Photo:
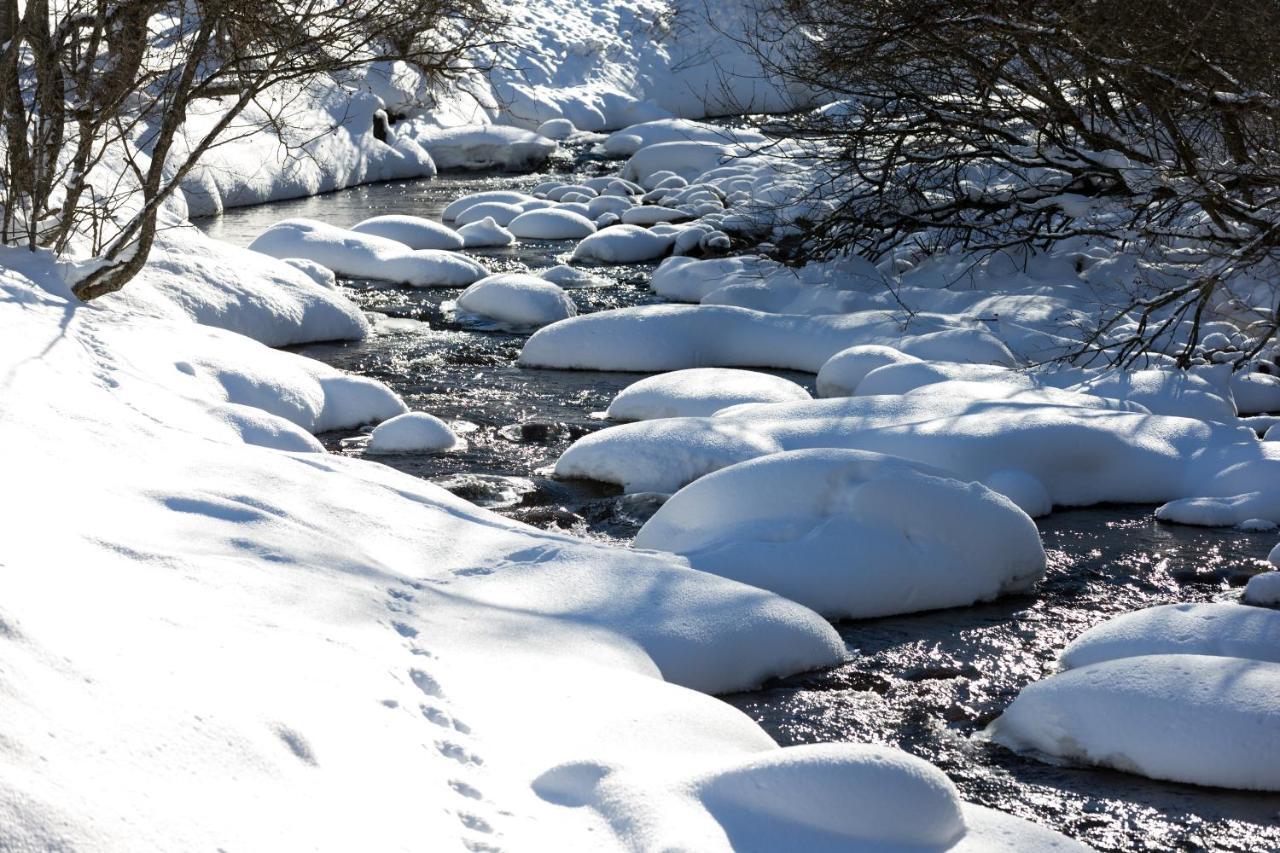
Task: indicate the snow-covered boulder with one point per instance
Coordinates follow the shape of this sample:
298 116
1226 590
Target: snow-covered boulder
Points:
687 159
839 375
572 277
1255 393
623 244
413 432
1197 719
1225 511
486 233
1263 590
851 534
499 211
557 128
551 224
356 255
699 391
1224 630
455 208
629 140
484 146
652 214
517 300
686 279
416 232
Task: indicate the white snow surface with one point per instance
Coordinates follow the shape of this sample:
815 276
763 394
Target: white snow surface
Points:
416 232
851 534
698 392
358 255
623 244
413 432
480 146
1198 719
517 300
1263 589
1224 630
485 233
551 224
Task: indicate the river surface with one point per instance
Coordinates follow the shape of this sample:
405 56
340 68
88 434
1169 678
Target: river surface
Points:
927 682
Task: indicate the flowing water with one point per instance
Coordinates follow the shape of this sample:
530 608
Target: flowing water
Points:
927 682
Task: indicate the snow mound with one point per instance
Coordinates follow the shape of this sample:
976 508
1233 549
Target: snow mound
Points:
652 214
1263 590
1182 718
557 128
486 233
1255 393
416 232
499 211
263 429
839 375
1223 630
623 244
572 277
685 279
653 338
630 139
487 146
413 432
699 391
1228 511
851 534
355 255
551 224
517 300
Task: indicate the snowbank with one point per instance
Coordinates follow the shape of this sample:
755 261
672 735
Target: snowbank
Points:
851 534
356 255
413 432
699 391
1183 718
480 146
1224 630
517 300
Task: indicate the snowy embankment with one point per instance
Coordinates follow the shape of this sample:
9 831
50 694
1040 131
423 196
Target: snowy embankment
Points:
215 635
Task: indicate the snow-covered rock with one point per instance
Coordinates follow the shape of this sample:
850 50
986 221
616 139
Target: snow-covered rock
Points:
551 224
688 159
699 391
690 280
851 534
500 212
1263 590
356 255
839 375
557 128
486 233
1197 719
1224 630
517 300
623 244
413 432
481 146
456 207
572 277
416 232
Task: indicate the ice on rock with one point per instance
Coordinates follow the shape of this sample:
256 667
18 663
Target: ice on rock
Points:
851 534
839 375
551 224
1263 590
623 244
455 208
413 432
416 232
1197 719
558 129
517 300
356 255
699 391
1222 630
485 234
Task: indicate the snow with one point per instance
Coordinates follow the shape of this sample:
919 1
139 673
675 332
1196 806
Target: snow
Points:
485 233
456 207
557 129
689 280
356 255
573 277
1224 630
651 338
413 432
1224 511
686 159
699 391
630 139
1197 719
623 244
481 146
851 534
652 214
551 224
517 300
500 212
840 375
416 232
1263 590
1080 450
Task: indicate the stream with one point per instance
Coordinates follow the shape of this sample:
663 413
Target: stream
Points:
925 682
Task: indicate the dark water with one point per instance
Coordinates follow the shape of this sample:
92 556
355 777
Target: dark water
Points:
927 682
